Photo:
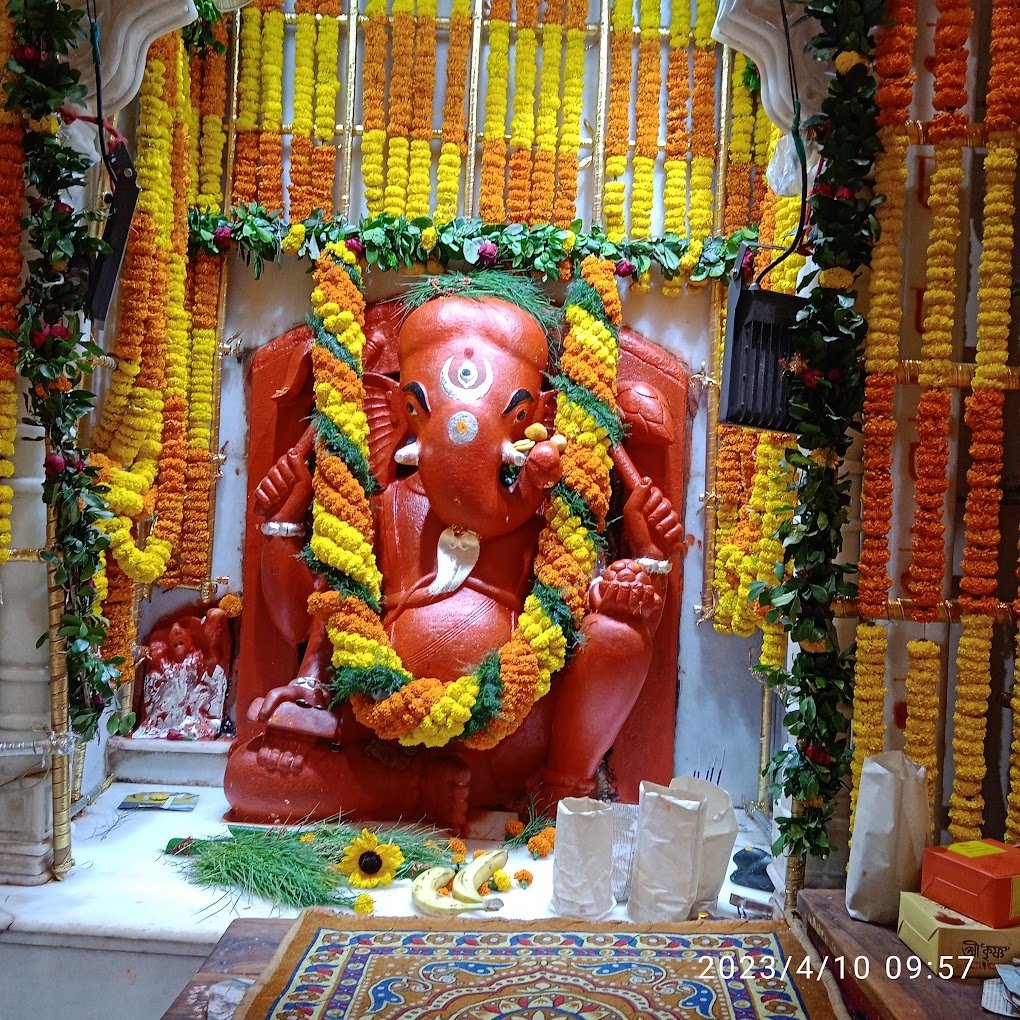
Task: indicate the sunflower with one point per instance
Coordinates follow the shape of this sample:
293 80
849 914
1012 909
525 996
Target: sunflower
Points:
367 863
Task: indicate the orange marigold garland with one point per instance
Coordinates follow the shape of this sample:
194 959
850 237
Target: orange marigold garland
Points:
522 123
678 139
543 167
419 183
618 120
451 155
327 59
213 138
425 710
646 120
491 202
739 162
703 133
270 171
244 187
1013 800
401 108
567 151
301 192
926 577
374 80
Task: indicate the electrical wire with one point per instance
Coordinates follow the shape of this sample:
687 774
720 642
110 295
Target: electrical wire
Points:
92 14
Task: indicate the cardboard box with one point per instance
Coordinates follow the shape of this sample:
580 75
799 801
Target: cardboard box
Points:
979 878
952 944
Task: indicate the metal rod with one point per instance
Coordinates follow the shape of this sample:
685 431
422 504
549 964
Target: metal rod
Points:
598 147
346 131
24 556
765 746
961 374
902 611
714 365
474 79
60 785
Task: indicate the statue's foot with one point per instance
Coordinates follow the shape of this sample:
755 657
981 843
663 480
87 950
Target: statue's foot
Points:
446 789
625 592
547 789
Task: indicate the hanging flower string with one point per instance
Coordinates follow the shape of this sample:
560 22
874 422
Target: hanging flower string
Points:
543 168
373 75
678 139
920 737
451 156
301 192
735 470
491 203
739 159
244 187
327 57
482 707
568 147
869 702
419 184
270 170
703 129
646 122
401 108
618 121
522 123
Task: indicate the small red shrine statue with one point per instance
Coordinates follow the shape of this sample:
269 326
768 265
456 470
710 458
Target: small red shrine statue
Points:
452 388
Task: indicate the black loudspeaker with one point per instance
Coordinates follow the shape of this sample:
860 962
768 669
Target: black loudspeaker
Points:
759 327
106 267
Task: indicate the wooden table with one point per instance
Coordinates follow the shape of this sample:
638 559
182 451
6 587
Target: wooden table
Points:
243 951
876 996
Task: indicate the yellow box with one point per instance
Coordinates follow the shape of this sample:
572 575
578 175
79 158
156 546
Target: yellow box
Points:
952 944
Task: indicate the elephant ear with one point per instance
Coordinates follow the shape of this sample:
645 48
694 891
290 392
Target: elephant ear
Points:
386 425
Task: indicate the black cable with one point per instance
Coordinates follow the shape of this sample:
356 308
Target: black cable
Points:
93 16
798 143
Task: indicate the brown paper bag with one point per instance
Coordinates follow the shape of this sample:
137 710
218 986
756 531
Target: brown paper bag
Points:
891 829
667 855
583 862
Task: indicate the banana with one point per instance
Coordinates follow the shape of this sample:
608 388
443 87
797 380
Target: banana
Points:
477 873
426 897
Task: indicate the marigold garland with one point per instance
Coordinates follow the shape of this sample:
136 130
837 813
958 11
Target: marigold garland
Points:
522 123
401 108
303 119
327 57
419 184
567 151
739 159
270 171
646 121
869 702
973 685
1013 799
678 139
244 187
618 120
924 676
543 166
451 155
374 81
12 191
491 204
213 140
483 707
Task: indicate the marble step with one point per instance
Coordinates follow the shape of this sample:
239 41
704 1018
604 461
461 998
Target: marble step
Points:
168 762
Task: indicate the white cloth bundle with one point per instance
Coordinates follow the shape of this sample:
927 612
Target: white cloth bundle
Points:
891 830
583 862
667 856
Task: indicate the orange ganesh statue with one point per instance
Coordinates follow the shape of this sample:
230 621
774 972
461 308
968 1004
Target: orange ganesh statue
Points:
460 407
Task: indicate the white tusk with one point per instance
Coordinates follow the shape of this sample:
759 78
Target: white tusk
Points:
408 455
511 455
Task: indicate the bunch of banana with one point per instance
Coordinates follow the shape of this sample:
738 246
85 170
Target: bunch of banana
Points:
466 883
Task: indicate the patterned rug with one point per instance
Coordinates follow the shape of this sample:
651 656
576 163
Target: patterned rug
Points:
412 969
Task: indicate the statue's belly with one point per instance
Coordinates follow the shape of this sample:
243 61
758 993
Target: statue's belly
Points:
449 638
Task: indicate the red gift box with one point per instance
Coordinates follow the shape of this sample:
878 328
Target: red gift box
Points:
979 878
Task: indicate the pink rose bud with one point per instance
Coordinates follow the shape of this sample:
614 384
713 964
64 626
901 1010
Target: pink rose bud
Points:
59 331
38 337
25 54
53 465
845 193
823 189
63 207
222 237
488 252
625 268
354 245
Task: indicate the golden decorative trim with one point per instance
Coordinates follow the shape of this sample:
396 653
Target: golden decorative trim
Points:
902 611
975 135
961 374
24 556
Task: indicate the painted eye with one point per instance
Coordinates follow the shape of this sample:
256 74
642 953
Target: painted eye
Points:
410 408
521 415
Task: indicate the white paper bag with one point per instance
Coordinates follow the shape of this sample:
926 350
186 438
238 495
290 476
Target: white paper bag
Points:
583 862
720 835
625 818
891 830
667 855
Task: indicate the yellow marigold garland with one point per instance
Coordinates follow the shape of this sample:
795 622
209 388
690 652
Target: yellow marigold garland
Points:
618 121
327 57
739 162
244 188
567 151
303 121
703 133
491 204
920 738
401 108
646 121
270 171
735 471
869 702
419 184
973 685
214 138
425 710
374 79
543 166
678 139
451 155
522 123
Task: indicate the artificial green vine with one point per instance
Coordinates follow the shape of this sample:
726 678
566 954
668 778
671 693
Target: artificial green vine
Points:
388 242
54 354
827 394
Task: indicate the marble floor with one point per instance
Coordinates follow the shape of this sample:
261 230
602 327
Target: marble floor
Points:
121 935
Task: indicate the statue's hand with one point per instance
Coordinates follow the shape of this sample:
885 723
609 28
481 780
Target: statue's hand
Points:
543 469
286 492
652 525
292 694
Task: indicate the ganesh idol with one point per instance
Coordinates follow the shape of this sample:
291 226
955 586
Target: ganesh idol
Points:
427 671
